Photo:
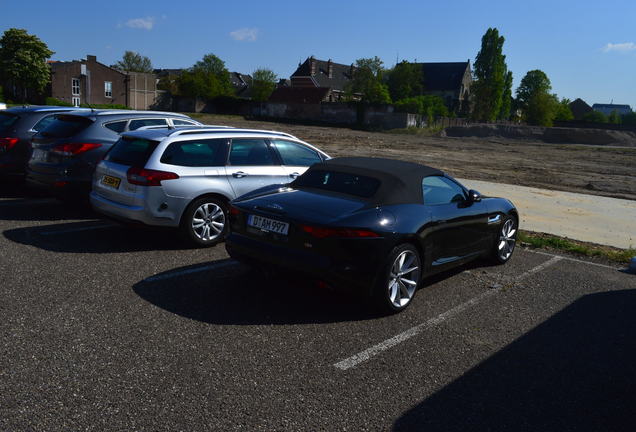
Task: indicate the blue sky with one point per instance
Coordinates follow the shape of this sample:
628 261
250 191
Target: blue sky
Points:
587 48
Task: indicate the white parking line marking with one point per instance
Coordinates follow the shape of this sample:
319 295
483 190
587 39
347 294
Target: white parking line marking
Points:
572 259
555 259
191 270
367 354
7 203
76 229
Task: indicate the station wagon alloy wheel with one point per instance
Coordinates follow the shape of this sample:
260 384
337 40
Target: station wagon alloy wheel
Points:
403 278
208 222
507 240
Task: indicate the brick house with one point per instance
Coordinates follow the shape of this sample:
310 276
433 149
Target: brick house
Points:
90 82
313 73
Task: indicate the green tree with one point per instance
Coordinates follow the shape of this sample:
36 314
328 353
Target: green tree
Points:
538 106
405 80
614 118
595 117
367 82
490 77
629 119
506 98
207 79
263 84
540 109
426 105
563 111
535 81
134 62
23 64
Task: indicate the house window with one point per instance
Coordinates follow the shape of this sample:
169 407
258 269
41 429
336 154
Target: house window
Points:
75 86
76 101
108 89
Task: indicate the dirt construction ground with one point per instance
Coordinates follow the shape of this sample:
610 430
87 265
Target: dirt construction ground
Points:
600 170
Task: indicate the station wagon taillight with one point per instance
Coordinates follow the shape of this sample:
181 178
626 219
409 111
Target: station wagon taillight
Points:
73 149
148 177
8 143
323 232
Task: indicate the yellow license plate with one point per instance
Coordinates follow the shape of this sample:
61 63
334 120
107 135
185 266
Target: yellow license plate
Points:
111 181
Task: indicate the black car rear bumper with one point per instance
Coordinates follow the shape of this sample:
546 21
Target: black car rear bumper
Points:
355 271
58 185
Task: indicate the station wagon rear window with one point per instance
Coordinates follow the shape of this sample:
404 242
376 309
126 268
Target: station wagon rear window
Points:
335 181
65 126
131 151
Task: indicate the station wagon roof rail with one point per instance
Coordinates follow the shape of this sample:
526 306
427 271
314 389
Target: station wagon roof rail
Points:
225 129
111 112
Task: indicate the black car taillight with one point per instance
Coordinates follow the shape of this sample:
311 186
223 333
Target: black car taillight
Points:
323 232
148 177
234 211
8 143
73 149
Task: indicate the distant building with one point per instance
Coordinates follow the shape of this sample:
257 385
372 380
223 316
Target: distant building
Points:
579 108
449 80
315 73
607 109
242 85
93 83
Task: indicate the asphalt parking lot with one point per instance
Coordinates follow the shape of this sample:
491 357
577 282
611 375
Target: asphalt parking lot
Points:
105 327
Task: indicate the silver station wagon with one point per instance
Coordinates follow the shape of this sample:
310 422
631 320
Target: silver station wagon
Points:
185 177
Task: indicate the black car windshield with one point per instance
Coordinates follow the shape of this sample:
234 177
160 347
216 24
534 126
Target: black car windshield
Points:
131 151
7 120
336 181
65 126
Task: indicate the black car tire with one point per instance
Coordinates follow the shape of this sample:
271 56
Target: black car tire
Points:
383 293
497 255
194 210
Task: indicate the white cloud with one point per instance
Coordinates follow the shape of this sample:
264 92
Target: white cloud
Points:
620 47
141 23
245 34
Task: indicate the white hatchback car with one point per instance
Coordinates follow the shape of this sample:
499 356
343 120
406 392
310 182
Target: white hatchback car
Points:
185 177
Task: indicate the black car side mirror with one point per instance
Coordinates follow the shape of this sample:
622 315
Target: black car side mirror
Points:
474 196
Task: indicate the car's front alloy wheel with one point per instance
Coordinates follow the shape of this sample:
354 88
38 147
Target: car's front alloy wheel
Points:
507 240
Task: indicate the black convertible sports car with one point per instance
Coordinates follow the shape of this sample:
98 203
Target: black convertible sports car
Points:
380 225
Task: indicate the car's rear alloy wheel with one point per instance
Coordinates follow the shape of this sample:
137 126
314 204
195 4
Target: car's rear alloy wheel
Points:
398 287
507 240
208 222
205 222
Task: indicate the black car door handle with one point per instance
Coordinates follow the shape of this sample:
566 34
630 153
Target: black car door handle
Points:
294 175
239 174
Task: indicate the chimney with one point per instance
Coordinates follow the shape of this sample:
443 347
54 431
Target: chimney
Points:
91 59
312 66
329 69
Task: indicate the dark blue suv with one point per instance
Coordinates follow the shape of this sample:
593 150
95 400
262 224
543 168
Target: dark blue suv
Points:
17 127
67 150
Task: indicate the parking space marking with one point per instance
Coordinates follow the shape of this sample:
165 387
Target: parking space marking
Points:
76 229
7 203
213 266
572 259
367 354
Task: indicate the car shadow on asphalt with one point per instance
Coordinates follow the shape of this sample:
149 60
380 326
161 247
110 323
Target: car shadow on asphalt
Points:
240 295
29 209
96 236
575 371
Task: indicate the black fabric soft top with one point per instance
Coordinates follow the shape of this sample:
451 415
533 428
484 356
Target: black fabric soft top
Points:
400 181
